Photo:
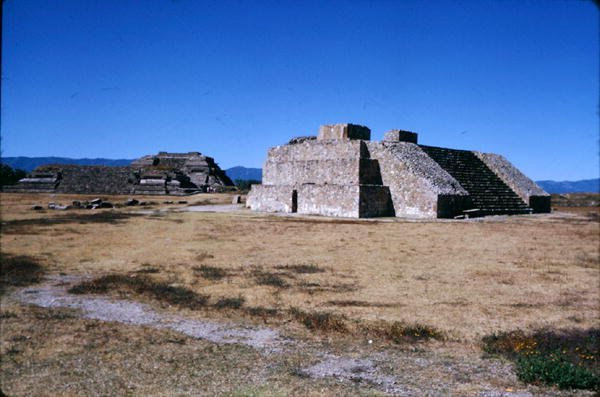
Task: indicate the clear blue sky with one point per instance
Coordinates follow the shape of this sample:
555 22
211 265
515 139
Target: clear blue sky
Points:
120 78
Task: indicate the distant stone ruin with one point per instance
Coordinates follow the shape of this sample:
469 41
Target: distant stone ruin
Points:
161 174
342 173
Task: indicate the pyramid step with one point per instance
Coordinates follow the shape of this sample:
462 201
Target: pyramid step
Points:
488 192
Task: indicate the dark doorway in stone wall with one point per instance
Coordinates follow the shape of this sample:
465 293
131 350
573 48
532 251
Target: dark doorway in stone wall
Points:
294 201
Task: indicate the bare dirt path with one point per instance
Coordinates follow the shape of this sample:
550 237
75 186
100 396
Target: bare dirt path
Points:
368 370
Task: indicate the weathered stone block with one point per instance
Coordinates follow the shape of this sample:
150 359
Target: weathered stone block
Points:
318 150
452 205
540 204
400 136
270 198
344 132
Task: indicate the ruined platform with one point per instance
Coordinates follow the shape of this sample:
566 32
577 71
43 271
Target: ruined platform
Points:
342 173
161 174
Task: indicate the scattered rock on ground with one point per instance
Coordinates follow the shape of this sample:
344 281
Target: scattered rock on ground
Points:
60 207
131 202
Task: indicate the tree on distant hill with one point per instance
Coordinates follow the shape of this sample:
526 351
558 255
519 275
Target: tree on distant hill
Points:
244 184
10 176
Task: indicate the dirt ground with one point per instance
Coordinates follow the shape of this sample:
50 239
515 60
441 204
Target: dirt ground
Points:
464 279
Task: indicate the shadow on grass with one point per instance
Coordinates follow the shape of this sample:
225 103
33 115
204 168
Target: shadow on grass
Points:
262 312
143 285
322 321
357 303
301 269
330 221
230 303
400 332
19 271
210 272
269 279
312 287
23 226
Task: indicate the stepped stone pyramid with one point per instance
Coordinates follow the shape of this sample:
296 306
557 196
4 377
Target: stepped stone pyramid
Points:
342 173
161 174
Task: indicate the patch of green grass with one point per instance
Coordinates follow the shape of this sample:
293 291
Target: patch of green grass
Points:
19 271
568 358
210 272
160 291
322 321
556 369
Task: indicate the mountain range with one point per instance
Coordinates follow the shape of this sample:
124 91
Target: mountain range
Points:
244 173
28 164
582 186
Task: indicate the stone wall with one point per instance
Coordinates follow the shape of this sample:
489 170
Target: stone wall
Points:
270 198
95 179
400 136
329 200
332 175
330 171
318 150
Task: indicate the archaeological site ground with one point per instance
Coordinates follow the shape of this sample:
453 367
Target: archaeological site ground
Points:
199 296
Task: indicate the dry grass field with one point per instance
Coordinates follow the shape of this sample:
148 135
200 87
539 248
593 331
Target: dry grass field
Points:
330 285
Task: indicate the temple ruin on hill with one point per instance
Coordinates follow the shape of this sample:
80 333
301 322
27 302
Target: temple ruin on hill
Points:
342 173
161 174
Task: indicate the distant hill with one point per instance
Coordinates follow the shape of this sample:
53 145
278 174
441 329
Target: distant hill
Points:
244 173
28 164
582 186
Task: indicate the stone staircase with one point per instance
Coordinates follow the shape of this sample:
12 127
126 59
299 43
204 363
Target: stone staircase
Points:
489 194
